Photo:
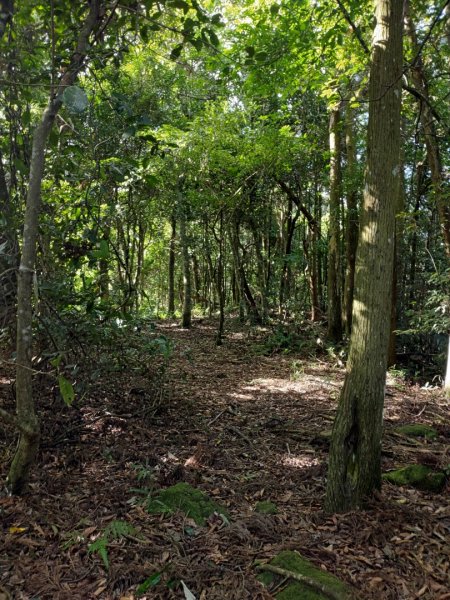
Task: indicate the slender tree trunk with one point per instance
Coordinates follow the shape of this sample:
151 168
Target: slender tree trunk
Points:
27 418
352 221
221 281
197 285
398 261
286 273
186 320
261 269
8 238
173 236
8 258
334 262
440 188
355 454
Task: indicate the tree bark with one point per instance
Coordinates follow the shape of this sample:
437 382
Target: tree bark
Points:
427 120
28 444
171 299
355 454
352 221
186 320
334 262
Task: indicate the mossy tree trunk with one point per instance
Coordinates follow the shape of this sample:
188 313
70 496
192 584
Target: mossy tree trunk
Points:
355 453
27 419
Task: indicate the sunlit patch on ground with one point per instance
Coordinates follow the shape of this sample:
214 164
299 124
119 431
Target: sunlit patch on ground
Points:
300 461
285 386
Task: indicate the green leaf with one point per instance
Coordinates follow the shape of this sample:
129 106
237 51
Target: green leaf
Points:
213 37
103 250
275 9
66 390
75 99
216 19
176 52
55 362
261 56
100 547
148 583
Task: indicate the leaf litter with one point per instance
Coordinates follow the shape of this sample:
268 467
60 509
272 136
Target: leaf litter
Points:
241 428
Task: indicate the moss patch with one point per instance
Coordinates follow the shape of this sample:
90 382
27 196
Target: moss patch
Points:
265 507
295 563
182 496
417 430
418 476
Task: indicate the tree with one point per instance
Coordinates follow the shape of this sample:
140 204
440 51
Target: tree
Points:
355 454
27 421
334 262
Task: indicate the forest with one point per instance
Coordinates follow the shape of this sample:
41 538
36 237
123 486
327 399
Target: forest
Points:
225 299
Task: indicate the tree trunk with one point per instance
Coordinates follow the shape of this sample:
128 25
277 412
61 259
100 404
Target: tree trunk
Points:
220 282
171 299
447 372
8 258
440 188
334 269
186 320
352 221
355 454
27 418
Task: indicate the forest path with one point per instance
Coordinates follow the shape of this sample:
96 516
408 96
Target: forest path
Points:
242 427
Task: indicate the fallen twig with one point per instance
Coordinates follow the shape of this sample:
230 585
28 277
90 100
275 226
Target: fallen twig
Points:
240 434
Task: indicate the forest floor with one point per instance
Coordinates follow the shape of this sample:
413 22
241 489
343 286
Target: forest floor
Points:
243 427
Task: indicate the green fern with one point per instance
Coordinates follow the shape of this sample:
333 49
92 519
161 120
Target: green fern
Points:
115 531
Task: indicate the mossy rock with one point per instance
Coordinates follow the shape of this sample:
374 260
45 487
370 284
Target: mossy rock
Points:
417 430
296 590
265 507
418 476
182 496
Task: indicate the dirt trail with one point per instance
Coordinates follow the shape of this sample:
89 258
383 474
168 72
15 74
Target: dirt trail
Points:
243 428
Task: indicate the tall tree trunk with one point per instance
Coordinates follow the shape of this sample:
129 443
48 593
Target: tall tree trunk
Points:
261 269
355 454
352 221
8 258
27 419
171 299
286 273
440 188
186 320
8 238
398 262
334 262
220 281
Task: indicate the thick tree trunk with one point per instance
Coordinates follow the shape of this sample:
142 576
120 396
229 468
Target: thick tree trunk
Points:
355 454
171 299
352 221
334 262
27 419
